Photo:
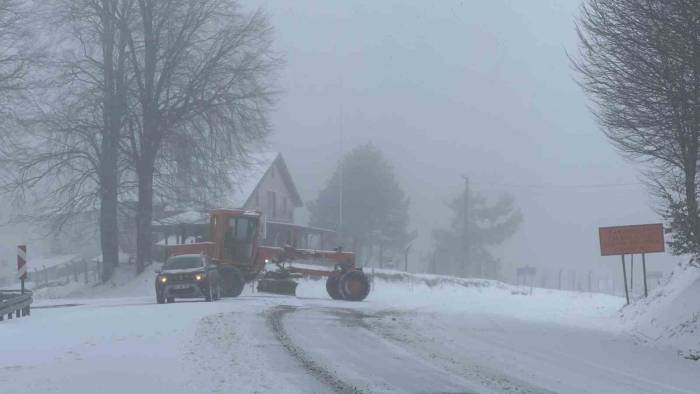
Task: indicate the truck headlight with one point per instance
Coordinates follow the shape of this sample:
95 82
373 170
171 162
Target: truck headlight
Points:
198 277
163 279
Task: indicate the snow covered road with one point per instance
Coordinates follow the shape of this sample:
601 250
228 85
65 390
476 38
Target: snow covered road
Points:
262 343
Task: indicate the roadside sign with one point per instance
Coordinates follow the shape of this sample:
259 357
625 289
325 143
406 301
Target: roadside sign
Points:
642 238
22 264
635 239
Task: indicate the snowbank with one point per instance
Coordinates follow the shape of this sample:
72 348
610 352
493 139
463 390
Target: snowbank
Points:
124 283
463 296
671 314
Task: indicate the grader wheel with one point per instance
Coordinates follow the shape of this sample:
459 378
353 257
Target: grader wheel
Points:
333 287
354 286
232 281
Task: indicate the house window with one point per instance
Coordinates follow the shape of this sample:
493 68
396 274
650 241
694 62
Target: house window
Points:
272 203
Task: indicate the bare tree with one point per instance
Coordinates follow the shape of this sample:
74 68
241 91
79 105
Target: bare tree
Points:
639 61
66 157
13 62
202 81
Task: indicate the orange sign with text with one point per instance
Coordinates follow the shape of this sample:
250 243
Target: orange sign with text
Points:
636 239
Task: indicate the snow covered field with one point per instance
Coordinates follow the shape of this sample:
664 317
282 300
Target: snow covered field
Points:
416 334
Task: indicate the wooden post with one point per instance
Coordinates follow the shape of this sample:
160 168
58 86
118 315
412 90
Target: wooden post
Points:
624 276
644 272
632 274
560 271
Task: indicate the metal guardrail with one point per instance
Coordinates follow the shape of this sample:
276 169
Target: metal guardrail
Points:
14 302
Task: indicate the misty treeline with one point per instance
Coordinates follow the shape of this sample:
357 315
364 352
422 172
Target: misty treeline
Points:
639 62
376 221
116 105
477 225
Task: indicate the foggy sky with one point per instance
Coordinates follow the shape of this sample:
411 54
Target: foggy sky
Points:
480 88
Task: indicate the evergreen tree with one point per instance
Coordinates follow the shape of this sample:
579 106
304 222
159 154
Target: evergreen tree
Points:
466 253
375 209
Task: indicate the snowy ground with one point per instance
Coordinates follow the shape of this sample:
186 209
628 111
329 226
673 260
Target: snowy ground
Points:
415 335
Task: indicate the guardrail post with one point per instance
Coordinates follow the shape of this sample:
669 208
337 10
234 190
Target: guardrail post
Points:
15 304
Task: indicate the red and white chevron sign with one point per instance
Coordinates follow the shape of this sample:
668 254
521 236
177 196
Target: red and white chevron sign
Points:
22 261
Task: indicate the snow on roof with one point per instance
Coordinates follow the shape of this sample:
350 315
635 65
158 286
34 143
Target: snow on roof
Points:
173 240
123 258
188 217
245 181
52 261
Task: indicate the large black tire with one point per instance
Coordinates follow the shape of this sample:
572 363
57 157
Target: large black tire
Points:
160 298
333 288
170 300
232 281
354 286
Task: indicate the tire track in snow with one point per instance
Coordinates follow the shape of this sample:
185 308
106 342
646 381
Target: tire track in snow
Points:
494 380
327 377
365 362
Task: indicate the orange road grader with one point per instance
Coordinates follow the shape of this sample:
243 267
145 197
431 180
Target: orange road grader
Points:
234 246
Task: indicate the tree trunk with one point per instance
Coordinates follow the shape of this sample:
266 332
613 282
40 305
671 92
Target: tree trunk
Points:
109 229
691 193
144 215
108 171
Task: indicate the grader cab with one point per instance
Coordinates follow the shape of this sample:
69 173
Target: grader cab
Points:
234 246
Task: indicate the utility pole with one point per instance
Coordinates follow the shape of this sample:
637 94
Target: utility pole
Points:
340 180
467 248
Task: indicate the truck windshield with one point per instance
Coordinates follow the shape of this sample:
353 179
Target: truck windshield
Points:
239 237
183 262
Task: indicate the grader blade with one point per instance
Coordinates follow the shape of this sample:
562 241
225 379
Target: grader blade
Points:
278 286
280 281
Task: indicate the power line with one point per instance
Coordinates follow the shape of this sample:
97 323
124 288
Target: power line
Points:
559 186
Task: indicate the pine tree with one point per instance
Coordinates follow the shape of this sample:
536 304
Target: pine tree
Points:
489 223
375 208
